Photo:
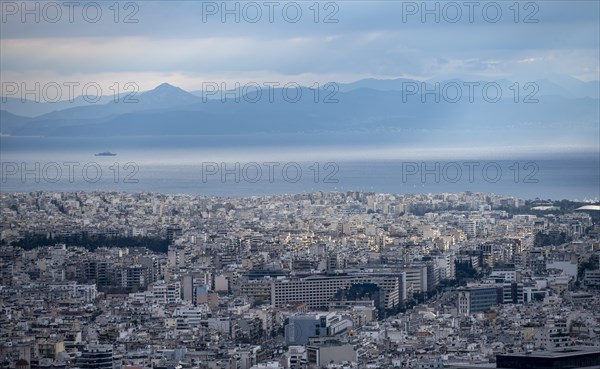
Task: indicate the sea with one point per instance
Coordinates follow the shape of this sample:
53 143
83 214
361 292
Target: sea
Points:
256 165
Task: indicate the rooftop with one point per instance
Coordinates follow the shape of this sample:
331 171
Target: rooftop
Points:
559 352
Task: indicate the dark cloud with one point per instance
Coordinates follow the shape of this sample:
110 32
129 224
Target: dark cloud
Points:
382 38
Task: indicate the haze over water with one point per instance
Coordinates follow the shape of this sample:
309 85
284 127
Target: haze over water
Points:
276 164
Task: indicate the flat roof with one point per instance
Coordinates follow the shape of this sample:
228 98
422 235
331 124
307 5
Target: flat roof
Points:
558 353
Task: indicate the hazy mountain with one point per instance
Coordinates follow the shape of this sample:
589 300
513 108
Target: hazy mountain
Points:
30 108
168 110
10 122
575 87
398 84
566 86
166 95
367 106
163 96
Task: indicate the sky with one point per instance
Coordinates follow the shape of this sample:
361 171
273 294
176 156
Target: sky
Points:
186 43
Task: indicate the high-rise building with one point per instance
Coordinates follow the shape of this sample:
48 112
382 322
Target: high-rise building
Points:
173 232
317 290
166 293
96 357
135 277
416 279
188 288
469 226
512 293
476 299
299 328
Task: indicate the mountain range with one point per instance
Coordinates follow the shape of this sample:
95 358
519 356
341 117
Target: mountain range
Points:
566 108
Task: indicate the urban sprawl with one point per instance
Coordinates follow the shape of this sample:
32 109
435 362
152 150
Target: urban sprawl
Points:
317 280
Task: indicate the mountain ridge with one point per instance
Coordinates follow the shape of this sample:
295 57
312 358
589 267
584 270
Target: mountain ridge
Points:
367 106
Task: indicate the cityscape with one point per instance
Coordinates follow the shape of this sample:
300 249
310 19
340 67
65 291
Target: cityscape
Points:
337 280
350 184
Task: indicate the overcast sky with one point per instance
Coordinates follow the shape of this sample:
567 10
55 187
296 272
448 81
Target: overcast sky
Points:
186 43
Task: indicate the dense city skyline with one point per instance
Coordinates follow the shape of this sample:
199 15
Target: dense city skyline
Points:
299 184
431 273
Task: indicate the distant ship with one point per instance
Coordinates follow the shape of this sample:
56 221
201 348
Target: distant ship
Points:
105 153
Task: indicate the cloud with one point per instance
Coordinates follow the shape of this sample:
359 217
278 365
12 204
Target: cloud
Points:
172 39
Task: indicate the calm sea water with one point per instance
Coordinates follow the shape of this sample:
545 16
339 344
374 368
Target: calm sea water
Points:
245 166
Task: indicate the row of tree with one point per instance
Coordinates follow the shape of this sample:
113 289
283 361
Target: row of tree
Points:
92 242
